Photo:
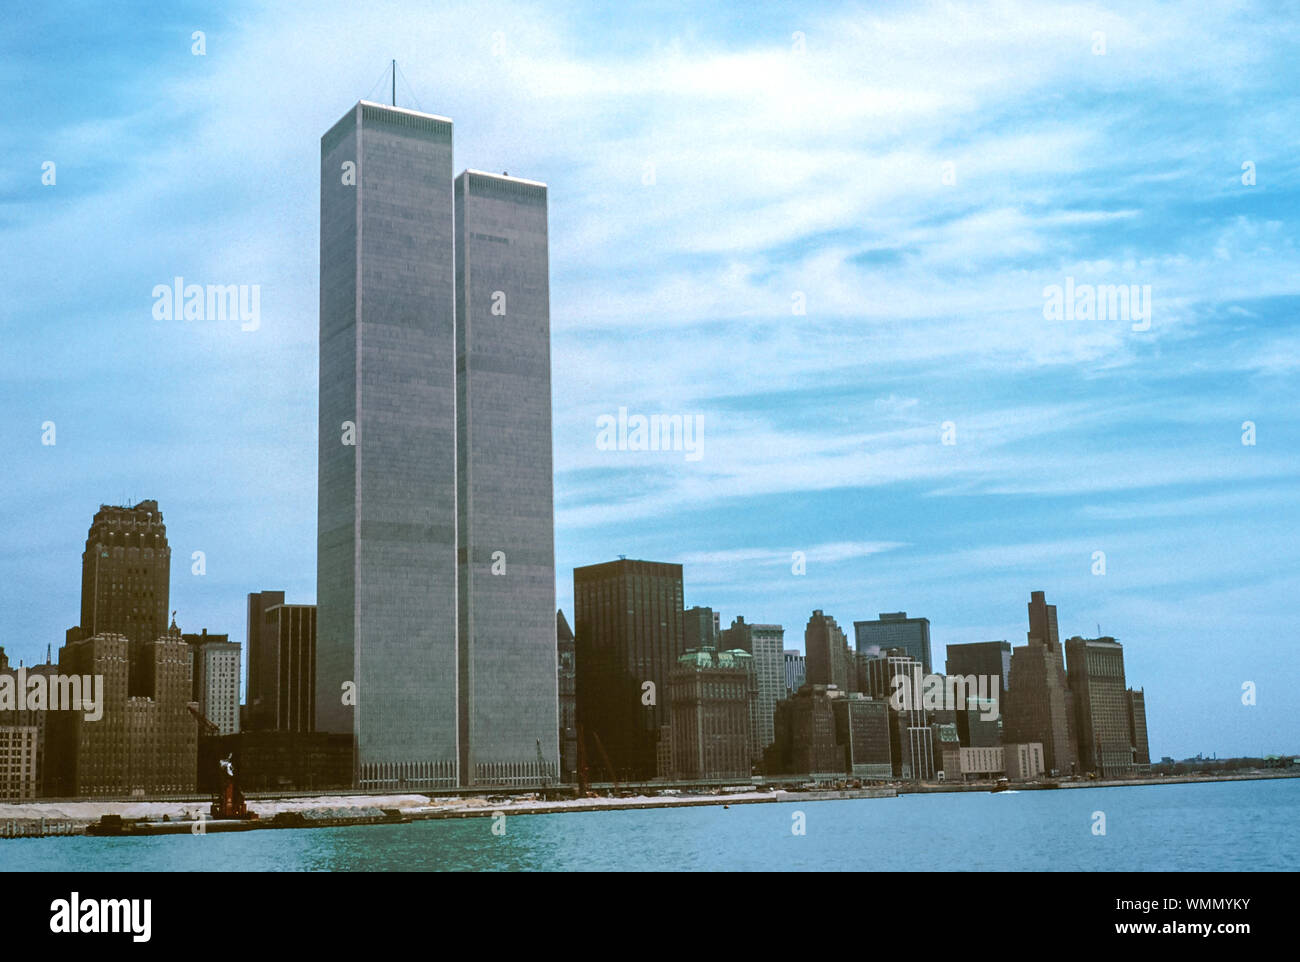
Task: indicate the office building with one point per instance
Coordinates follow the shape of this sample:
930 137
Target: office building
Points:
508 716
805 734
215 676
1095 669
911 740
862 733
895 630
28 717
1039 704
699 629
828 658
627 638
282 664
125 581
435 579
386 653
977 725
142 744
567 674
1024 762
795 672
712 694
1137 720
765 643
991 658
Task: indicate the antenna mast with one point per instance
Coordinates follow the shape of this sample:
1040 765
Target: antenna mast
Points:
394 82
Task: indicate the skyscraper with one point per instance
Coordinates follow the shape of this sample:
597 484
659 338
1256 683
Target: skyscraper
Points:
508 721
1137 723
895 630
565 669
829 661
911 741
795 672
263 652
1095 668
125 581
698 630
282 664
628 631
990 659
215 678
387 662
1039 705
765 643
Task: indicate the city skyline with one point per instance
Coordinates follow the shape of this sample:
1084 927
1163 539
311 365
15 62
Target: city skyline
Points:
823 429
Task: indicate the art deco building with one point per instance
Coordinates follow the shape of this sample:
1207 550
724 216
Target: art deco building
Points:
125 580
1039 705
142 743
828 658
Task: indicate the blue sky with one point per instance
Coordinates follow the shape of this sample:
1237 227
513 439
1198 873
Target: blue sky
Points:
782 165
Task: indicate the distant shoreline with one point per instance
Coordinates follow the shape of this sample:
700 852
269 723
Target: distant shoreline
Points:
150 818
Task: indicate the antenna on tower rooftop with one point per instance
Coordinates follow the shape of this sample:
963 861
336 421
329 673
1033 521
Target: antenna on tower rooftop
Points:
394 82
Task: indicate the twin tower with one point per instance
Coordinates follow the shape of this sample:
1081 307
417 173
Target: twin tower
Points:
436 543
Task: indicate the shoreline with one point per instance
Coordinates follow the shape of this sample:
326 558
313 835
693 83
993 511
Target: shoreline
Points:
50 819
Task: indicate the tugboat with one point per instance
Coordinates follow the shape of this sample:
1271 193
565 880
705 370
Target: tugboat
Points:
229 800
1001 786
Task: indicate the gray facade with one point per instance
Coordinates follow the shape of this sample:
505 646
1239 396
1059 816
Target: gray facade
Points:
386 548
509 723
766 644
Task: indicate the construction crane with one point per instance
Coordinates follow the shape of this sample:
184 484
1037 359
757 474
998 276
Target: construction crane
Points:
205 726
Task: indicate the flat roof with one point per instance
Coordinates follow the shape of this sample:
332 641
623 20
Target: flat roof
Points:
516 180
405 110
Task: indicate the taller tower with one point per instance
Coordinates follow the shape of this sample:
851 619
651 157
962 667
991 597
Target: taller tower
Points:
509 725
386 536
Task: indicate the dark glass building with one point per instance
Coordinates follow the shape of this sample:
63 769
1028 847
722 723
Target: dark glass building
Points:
895 630
990 659
627 631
